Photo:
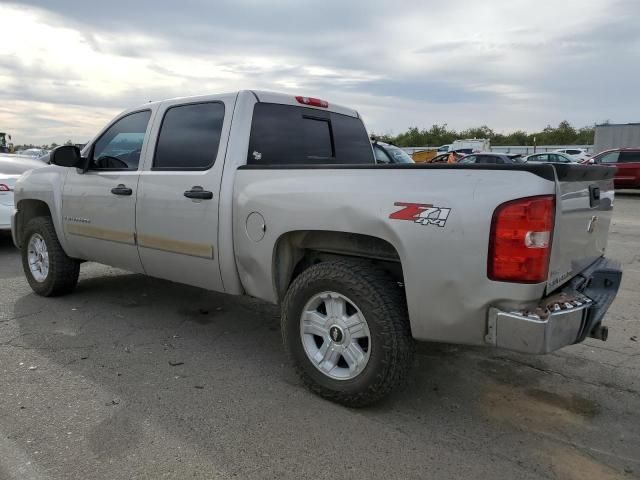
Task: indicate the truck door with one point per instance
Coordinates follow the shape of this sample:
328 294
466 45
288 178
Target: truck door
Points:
178 196
98 206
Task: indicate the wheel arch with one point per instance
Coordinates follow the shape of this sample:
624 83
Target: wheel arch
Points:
26 210
295 251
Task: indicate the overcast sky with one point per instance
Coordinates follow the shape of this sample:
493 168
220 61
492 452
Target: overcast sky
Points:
67 67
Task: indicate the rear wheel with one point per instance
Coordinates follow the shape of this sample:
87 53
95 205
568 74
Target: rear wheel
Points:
346 331
48 269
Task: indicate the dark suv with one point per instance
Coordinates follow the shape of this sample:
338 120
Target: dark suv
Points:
627 161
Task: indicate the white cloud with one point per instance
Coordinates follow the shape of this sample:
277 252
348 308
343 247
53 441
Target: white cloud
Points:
66 69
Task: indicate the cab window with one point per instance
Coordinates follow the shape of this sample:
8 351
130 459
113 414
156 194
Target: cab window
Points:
291 135
120 146
611 157
189 137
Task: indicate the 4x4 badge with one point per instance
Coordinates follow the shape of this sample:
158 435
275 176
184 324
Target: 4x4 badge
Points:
422 213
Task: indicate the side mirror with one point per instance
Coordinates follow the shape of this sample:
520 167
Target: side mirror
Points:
66 156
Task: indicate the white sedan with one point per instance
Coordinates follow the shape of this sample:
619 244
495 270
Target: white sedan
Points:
577 154
11 167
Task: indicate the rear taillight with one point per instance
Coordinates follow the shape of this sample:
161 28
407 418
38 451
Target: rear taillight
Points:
314 102
520 241
4 188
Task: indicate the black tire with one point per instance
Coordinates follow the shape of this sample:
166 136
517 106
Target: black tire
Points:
63 271
383 305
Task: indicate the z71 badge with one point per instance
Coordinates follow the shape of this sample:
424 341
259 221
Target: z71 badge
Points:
422 213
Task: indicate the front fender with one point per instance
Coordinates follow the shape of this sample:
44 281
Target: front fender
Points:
34 190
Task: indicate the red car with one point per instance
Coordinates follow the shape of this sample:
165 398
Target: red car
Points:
628 162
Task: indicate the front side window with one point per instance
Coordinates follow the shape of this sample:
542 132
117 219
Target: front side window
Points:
189 137
290 135
120 146
611 157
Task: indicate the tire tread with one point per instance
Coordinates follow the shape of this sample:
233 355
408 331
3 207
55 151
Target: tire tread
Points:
63 270
390 305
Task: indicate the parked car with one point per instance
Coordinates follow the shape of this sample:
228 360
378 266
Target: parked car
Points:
32 152
472 145
440 158
279 197
443 148
627 161
463 151
386 154
10 170
489 157
577 154
555 157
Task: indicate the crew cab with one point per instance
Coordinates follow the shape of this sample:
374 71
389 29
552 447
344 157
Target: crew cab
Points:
279 197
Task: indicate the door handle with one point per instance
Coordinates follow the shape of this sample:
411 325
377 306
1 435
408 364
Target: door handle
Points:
594 196
199 193
121 190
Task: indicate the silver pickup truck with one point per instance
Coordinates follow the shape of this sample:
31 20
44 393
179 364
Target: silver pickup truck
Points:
279 197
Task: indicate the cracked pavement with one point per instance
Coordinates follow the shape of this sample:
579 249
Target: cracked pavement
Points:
133 377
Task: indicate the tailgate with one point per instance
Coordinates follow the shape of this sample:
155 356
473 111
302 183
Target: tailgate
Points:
585 195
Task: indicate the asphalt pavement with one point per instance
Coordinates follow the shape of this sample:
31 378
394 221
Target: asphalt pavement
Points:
133 377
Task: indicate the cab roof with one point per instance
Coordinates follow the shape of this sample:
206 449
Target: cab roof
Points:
265 96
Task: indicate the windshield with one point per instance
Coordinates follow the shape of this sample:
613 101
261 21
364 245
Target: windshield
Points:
398 155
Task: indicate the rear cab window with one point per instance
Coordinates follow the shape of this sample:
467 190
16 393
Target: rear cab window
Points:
291 135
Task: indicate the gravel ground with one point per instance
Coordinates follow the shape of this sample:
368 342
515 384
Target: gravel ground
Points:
132 377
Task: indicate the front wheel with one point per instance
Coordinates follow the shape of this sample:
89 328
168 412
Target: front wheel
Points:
345 328
48 269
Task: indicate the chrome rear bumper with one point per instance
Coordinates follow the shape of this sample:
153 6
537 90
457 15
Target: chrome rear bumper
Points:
565 317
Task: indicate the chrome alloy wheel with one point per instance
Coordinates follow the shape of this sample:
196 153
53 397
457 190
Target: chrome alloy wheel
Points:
38 257
335 335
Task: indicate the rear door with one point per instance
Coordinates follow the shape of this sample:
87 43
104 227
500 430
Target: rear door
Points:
584 205
178 196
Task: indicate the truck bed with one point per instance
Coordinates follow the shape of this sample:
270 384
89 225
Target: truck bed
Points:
444 268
